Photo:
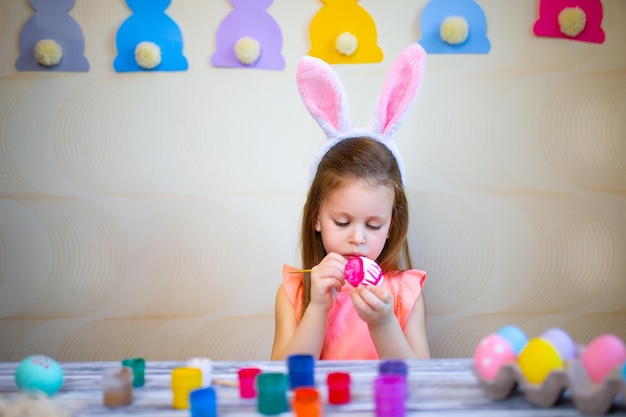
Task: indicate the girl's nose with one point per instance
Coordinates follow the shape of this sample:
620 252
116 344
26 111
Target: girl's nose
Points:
357 237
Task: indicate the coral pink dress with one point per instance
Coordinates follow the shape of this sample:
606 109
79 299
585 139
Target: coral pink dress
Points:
347 336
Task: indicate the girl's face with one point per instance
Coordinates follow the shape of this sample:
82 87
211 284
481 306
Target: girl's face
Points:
355 219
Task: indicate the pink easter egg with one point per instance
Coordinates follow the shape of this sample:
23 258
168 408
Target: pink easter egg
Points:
362 270
492 352
601 355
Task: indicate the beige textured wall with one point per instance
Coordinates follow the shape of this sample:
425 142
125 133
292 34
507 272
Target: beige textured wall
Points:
150 214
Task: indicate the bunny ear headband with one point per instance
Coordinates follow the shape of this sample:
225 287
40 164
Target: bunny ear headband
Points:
325 98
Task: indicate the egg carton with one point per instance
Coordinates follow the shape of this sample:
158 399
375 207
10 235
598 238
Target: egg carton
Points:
588 397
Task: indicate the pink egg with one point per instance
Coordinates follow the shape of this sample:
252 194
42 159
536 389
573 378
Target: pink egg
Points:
362 270
601 355
492 352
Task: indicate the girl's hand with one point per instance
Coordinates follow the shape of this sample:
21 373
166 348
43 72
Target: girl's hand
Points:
373 304
327 278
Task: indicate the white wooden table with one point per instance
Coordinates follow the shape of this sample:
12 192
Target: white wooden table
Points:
437 387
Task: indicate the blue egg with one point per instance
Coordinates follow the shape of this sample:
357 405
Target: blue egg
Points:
39 373
515 336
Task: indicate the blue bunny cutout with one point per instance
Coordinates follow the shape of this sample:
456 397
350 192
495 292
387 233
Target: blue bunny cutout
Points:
150 23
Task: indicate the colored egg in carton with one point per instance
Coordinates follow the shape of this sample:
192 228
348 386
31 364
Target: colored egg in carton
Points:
544 367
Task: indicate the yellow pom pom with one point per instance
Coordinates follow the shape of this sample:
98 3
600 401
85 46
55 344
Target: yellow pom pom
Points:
48 52
247 50
572 21
147 55
454 30
346 43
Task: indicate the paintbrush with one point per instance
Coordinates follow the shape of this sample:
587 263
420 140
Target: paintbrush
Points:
225 383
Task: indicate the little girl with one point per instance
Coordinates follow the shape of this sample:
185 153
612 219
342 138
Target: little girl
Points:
356 206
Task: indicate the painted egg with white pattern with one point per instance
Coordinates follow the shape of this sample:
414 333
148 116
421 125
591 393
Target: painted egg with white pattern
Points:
364 271
492 352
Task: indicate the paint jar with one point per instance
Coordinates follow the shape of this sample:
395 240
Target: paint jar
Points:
393 366
301 371
203 402
338 387
306 402
138 365
272 393
247 382
390 395
184 380
117 386
206 366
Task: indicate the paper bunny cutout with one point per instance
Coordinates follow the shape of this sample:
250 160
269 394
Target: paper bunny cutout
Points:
325 98
344 16
149 22
52 20
249 18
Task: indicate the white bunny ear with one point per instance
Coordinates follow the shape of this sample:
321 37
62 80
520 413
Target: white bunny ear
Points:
323 95
325 98
402 84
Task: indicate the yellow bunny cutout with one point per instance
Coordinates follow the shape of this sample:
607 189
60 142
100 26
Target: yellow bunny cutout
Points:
343 32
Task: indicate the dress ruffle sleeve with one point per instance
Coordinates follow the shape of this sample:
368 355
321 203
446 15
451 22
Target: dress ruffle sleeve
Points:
410 288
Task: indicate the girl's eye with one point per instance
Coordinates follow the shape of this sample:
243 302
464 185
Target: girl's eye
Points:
341 224
374 227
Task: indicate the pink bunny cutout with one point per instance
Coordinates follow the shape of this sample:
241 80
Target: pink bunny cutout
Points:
324 96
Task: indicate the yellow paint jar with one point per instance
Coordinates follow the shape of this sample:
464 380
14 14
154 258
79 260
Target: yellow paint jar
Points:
184 380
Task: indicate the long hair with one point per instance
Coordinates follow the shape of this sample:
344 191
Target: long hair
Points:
355 159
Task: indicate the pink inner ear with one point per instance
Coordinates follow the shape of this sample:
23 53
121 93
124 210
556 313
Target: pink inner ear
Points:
319 93
400 89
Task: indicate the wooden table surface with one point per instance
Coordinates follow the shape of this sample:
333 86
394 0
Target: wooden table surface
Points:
437 387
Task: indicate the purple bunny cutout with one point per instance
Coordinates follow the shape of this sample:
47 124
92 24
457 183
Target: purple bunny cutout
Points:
249 19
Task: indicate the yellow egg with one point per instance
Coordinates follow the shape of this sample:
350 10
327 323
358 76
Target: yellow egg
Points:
538 359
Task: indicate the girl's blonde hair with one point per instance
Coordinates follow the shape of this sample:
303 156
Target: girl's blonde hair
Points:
353 159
